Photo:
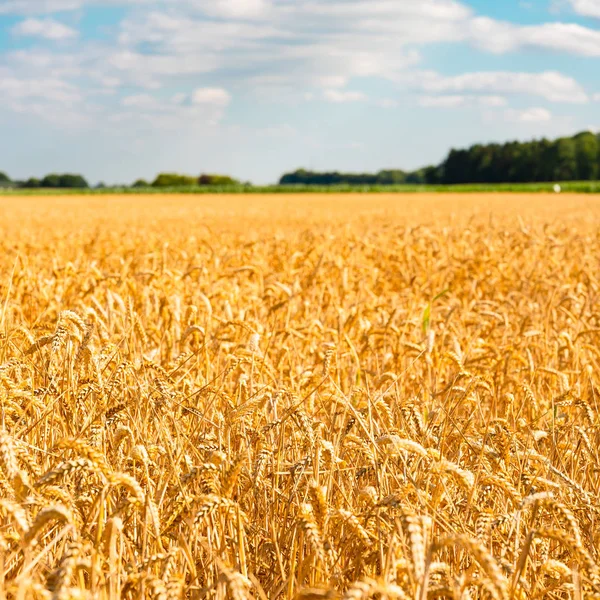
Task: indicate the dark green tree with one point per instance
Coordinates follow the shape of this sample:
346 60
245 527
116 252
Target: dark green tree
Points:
32 182
391 177
587 150
51 181
565 168
210 179
140 183
64 180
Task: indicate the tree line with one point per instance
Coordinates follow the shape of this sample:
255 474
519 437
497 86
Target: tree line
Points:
54 180
574 158
386 177
74 181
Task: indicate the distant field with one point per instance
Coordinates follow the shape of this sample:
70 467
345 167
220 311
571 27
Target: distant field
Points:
588 187
329 396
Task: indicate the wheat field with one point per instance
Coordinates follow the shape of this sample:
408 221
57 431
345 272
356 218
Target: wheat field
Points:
300 397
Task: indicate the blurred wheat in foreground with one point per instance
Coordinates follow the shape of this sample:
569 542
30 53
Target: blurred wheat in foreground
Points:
299 398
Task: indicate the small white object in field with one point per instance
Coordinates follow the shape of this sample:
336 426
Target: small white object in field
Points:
557 188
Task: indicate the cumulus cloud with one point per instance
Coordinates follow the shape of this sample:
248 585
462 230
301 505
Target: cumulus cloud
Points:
587 8
152 70
459 101
26 7
244 9
500 37
47 88
551 85
211 96
48 29
50 99
46 7
204 106
284 51
529 115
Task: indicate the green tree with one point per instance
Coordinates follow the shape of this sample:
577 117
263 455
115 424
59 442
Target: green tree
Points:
391 177
140 183
64 180
208 179
4 179
69 180
50 181
32 182
565 168
173 180
587 155
432 175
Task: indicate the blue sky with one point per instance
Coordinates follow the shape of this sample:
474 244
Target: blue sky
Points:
121 89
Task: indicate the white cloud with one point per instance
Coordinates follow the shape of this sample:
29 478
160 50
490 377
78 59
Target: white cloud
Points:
340 96
183 33
551 85
203 107
26 7
565 37
283 51
280 49
55 90
587 8
48 29
331 81
447 10
459 101
529 115
46 7
50 99
442 101
596 97
492 101
240 9
46 63
151 70
501 37
211 96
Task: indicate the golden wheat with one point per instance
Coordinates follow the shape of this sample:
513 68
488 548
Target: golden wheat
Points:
299 397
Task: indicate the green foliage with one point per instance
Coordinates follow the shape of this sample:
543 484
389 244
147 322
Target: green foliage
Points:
32 183
386 177
4 178
581 187
588 155
140 183
565 159
64 180
208 179
173 180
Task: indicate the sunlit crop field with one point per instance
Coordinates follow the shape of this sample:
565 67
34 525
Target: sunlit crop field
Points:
300 397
